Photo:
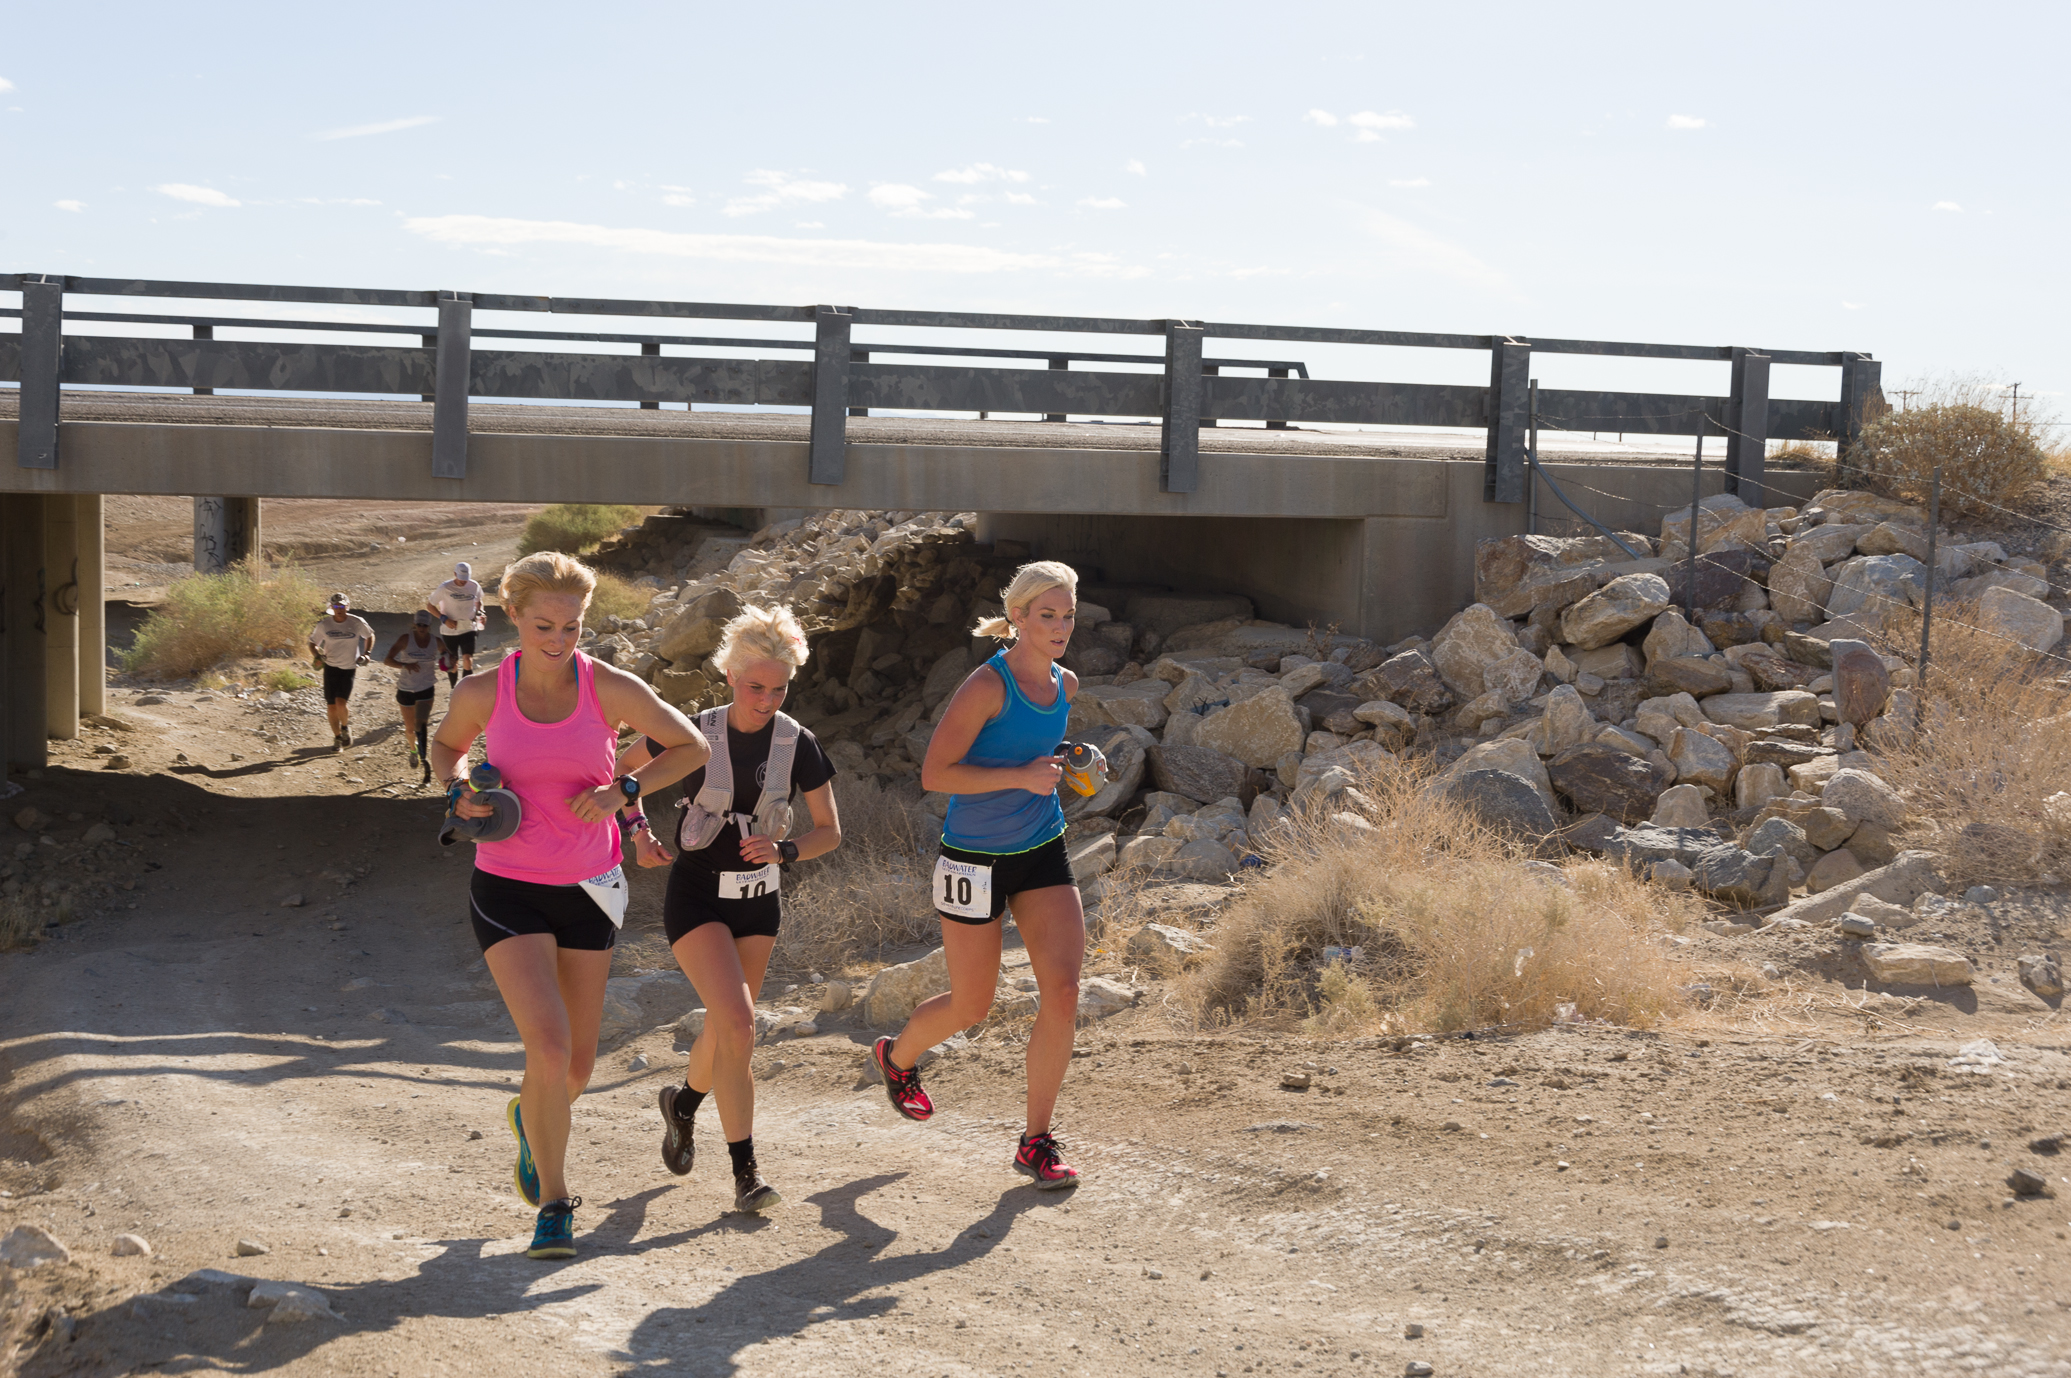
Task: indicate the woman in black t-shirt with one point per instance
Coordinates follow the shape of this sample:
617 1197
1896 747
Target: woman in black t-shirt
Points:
724 897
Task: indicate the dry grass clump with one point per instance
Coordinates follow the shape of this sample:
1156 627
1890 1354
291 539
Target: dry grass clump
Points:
616 597
19 926
573 527
1994 744
208 619
1459 928
870 893
1986 455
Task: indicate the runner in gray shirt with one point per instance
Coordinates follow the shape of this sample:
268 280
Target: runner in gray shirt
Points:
416 655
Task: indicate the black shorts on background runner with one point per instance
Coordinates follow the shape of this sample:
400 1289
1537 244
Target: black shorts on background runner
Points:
1015 873
406 697
460 643
500 908
692 901
338 684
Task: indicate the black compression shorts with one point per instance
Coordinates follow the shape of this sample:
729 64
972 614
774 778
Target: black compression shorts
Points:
691 902
500 908
337 684
459 643
406 697
1038 868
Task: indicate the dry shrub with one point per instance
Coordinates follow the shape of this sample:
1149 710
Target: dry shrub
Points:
573 527
1458 928
617 597
208 619
1986 456
18 924
1994 743
870 893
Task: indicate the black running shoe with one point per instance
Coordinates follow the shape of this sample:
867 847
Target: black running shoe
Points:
902 1085
678 1153
751 1194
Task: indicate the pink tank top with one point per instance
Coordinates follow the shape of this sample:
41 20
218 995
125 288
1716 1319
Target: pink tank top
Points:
546 765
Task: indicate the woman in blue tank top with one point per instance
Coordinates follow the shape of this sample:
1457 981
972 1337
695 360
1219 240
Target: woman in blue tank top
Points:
995 753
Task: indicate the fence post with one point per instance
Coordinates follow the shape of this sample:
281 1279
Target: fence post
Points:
1747 427
1531 506
650 349
828 460
1179 469
203 332
43 363
1057 365
451 366
859 356
1510 378
1934 519
1696 497
1861 383
430 342
1208 371
1276 425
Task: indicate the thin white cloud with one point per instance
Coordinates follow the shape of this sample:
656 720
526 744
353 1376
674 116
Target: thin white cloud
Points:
677 198
1322 117
808 224
74 206
200 196
492 234
5 85
981 172
1102 203
1369 123
334 201
1948 206
1136 166
1019 198
361 131
1219 121
1409 181
1685 122
1851 306
897 198
781 189
1413 246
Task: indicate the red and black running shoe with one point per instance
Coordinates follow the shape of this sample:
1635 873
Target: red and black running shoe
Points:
1038 1159
901 1084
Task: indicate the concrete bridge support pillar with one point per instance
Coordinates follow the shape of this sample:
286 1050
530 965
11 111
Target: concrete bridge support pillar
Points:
61 617
22 615
226 530
93 603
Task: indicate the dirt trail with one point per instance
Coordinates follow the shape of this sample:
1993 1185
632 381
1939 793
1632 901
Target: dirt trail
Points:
199 1064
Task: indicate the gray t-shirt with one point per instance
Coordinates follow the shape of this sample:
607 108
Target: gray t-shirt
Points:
420 664
339 642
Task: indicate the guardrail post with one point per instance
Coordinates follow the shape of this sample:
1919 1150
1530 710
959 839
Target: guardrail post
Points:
1747 427
1057 365
650 349
828 459
1509 413
1861 384
43 361
23 588
1208 371
1185 389
204 332
1276 425
859 356
450 376
430 342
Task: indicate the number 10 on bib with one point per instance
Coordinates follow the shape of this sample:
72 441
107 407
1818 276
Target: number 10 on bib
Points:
963 889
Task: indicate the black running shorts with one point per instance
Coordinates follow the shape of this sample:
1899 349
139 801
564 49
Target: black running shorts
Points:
460 644
693 901
406 697
1038 868
337 684
503 908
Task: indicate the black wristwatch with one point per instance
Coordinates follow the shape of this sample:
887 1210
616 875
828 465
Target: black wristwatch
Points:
629 786
787 852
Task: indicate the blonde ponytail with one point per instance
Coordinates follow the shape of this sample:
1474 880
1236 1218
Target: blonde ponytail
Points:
1029 583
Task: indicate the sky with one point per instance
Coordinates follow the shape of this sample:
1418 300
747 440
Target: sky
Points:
1887 179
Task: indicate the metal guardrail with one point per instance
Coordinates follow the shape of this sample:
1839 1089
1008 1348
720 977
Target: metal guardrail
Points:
845 376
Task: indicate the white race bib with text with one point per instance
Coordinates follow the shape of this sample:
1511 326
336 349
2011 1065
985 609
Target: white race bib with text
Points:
609 890
749 885
963 888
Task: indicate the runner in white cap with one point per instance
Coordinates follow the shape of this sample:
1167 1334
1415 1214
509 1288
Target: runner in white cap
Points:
416 655
457 604
341 643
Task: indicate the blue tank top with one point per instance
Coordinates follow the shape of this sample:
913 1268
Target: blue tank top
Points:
1002 821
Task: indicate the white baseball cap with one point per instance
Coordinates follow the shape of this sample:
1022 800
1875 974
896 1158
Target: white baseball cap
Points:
462 571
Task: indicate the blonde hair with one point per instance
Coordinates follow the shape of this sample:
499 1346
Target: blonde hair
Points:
549 571
762 634
1029 583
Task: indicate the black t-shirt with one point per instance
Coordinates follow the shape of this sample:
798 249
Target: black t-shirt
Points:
810 769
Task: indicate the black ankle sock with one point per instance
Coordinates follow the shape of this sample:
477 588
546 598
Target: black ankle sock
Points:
687 1102
452 678
743 1154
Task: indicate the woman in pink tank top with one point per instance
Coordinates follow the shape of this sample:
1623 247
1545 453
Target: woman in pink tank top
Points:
546 901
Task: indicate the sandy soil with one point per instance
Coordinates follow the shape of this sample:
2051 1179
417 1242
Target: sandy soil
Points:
1794 1181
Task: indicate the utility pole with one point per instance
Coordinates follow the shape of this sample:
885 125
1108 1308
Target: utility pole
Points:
2016 404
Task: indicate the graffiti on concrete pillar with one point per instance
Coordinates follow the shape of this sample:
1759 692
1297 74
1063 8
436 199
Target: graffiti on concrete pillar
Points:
66 599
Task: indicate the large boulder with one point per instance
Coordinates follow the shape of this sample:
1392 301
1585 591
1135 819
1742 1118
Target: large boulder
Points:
1856 506
1258 731
2017 617
1889 538
1686 675
1595 778
1863 798
945 675
1874 585
1161 947
1517 574
1862 684
1615 661
1681 806
1614 610
1799 585
1722 520
895 990
1757 712
1915 964
694 632
1505 802
1701 759
1567 722
1782 835
1907 878
1166 613
1723 578
1141 704
1672 636
1412 680
1392 724
1471 640
1515 676
1726 872
1200 773
1513 754
1757 784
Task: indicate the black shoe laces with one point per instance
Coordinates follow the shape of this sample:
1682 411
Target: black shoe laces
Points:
565 1206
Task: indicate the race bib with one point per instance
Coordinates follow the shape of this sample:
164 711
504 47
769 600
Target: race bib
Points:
609 890
749 885
963 888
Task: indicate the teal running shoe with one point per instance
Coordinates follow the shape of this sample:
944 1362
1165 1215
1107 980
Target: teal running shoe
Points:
554 1235
524 1175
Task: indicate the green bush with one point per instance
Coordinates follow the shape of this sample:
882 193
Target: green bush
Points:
1985 459
208 619
573 527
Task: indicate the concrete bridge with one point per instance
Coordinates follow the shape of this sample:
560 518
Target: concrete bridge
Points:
1373 532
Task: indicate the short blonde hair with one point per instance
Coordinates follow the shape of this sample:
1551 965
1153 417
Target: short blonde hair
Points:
549 571
762 634
1029 583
